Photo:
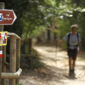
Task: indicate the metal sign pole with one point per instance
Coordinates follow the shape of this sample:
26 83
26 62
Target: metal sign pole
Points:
2 6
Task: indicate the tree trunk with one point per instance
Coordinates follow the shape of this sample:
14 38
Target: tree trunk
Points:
30 46
48 35
30 51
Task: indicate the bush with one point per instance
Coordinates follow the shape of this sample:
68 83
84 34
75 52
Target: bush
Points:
31 61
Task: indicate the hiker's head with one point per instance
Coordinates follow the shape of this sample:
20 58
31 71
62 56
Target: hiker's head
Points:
74 28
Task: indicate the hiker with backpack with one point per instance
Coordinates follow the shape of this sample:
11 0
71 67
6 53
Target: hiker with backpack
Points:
73 46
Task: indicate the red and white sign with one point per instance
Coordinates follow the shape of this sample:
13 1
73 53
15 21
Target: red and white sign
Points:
7 17
1 54
3 38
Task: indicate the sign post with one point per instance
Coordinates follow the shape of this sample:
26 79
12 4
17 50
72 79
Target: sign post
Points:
2 6
7 17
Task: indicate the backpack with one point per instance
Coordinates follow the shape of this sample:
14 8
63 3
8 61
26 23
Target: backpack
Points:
69 39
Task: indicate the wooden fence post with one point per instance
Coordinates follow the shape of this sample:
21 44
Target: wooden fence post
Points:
4 64
2 6
18 55
13 58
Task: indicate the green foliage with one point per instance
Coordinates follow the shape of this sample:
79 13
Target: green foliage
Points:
63 27
51 2
81 21
34 16
31 62
77 3
19 84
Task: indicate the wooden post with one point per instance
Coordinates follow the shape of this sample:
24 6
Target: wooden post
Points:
2 6
8 75
4 59
48 35
4 64
18 55
13 58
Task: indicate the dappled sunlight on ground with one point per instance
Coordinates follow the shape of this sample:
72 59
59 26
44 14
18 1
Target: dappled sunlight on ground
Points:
55 71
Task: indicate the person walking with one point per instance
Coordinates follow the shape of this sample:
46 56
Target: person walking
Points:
73 47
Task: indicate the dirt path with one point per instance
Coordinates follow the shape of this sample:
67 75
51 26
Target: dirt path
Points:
56 69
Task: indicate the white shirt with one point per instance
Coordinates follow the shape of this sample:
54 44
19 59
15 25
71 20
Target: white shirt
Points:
73 40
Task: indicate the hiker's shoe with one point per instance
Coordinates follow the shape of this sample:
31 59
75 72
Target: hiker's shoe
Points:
70 72
73 73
